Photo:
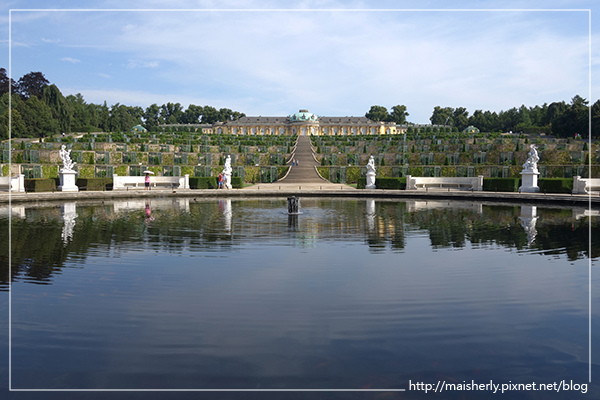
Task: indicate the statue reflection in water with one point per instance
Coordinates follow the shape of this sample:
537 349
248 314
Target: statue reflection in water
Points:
69 213
148 212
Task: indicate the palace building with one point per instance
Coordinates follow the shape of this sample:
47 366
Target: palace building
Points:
302 123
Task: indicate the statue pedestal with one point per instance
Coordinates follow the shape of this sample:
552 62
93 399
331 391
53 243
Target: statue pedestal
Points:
370 180
67 181
227 178
529 181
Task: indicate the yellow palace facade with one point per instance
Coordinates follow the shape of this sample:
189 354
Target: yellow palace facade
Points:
303 123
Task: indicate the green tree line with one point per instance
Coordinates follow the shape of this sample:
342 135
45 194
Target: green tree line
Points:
559 118
39 109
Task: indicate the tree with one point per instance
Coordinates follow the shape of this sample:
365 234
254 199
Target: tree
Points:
4 82
568 120
596 120
171 113
210 115
192 114
152 116
81 118
398 114
442 116
18 128
123 118
460 118
377 113
32 84
38 119
59 106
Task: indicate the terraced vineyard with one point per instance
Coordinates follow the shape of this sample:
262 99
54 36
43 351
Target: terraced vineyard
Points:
343 159
263 158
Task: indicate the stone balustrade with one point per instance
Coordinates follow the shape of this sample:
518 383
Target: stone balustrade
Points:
442 182
137 182
12 183
585 185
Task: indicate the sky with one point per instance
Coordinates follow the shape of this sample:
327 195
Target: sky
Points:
335 58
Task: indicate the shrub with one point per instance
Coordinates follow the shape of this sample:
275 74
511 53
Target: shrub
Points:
40 185
390 183
87 184
236 182
361 183
324 172
352 174
501 184
197 182
556 185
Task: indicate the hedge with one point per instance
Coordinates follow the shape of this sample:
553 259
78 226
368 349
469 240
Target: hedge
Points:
236 182
101 184
390 183
555 185
209 182
384 183
40 185
501 184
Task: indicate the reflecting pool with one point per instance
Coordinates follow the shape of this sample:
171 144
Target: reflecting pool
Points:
352 294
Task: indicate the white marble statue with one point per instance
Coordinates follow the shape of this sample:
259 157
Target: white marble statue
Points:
227 170
532 160
67 174
65 156
530 172
371 172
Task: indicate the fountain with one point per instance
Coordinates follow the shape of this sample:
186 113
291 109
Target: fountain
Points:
293 205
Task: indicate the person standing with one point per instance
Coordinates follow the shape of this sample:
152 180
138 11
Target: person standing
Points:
147 181
220 181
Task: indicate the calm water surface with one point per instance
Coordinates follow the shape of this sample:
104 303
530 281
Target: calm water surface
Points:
350 294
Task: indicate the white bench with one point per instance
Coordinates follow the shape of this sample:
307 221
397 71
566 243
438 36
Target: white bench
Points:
138 182
12 183
585 185
442 182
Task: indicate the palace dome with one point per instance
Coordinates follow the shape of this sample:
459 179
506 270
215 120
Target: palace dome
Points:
304 116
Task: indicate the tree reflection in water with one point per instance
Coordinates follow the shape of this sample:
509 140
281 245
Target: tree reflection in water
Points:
39 247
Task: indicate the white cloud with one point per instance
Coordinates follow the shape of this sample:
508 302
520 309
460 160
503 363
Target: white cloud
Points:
45 40
142 64
339 62
71 60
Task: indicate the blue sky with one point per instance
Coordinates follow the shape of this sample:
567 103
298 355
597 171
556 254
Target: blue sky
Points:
326 56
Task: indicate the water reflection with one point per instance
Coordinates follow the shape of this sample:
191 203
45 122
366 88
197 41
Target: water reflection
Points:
350 293
69 213
196 225
528 219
